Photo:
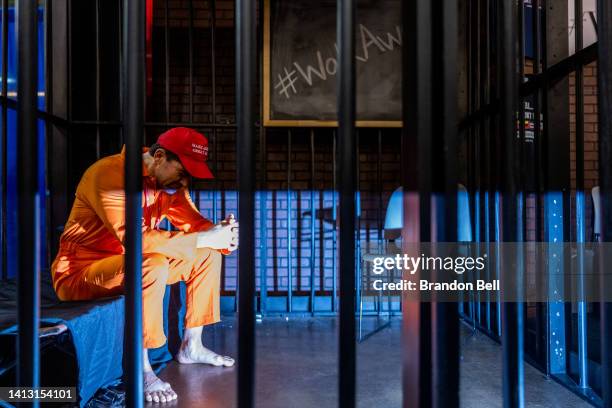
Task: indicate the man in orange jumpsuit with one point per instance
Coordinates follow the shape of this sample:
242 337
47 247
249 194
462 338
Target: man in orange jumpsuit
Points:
89 264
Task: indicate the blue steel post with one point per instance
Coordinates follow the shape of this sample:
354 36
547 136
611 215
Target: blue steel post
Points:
497 218
553 230
28 275
133 118
334 304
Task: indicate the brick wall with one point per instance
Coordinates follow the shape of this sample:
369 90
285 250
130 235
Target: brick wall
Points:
591 153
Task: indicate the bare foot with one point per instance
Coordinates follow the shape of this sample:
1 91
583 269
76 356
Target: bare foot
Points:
193 354
156 390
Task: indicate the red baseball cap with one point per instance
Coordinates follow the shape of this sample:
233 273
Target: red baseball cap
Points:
191 147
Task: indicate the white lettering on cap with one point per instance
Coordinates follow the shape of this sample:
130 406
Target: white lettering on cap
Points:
199 149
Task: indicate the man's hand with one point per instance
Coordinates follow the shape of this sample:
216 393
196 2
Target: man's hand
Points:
231 221
222 236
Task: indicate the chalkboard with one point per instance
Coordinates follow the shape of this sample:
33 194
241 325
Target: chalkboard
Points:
300 63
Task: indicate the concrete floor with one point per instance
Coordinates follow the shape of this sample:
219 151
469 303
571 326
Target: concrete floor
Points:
296 367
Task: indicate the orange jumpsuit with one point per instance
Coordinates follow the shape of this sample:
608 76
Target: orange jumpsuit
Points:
89 263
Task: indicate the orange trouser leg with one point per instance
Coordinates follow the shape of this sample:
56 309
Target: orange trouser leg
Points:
203 278
105 278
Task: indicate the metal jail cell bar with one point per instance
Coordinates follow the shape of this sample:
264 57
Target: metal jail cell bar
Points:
512 312
580 199
604 72
417 115
4 137
28 307
133 131
245 81
345 38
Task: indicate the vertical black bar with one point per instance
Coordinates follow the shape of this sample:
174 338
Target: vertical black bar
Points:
133 120
263 194
417 132
346 177
121 11
289 224
521 116
537 52
485 144
445 319
312 221
475 49
245 81
580 201
191 61
335 227
579 99
263 219
47 75
357 252
512 358
379 213
213 91
3 157
28 275
167 58
97 29
543 39
213 61
485 100
604 73
520 165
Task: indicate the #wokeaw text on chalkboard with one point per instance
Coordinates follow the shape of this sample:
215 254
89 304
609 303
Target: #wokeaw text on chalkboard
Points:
300 63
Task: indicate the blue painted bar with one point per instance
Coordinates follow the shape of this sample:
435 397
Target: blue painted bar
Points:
477 239
553 230
487 239
498 259
289 231
583 370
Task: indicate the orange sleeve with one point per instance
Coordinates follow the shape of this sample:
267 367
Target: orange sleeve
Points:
184 215
104 191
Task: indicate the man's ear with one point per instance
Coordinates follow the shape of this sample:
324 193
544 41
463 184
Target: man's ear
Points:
159 154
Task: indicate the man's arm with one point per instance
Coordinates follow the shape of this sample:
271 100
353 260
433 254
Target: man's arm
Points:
105 194
184 215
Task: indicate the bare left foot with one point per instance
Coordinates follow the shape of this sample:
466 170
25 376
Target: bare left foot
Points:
194 354
156 390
